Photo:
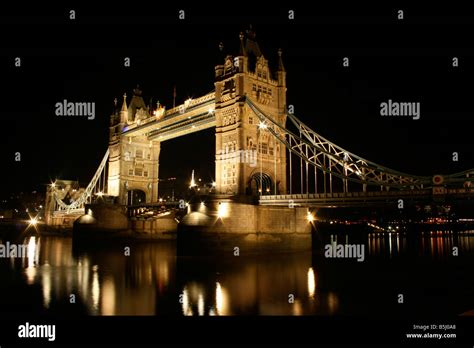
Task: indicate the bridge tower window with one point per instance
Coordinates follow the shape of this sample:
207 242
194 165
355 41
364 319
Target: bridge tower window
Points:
139 154
138 171
130 171
145 173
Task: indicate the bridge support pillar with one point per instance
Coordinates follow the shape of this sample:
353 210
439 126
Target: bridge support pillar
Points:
133 166
49 206
222 225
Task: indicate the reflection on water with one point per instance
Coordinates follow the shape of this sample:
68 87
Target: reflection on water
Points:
311 283
240 286
392 243
104 281
435 244
153 281
32 258
193 303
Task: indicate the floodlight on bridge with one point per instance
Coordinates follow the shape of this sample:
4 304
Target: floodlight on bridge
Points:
33 221
222 210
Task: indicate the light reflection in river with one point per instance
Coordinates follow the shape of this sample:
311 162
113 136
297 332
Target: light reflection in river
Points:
222 300
153 281
95 291
311 283
32 258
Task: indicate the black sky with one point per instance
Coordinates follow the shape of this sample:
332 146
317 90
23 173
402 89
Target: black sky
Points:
82 60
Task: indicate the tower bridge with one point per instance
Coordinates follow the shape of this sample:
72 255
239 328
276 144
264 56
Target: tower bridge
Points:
248 110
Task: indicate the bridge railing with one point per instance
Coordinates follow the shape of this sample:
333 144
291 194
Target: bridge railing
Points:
169 131
370 194
345 195
150 209
329 161
194 102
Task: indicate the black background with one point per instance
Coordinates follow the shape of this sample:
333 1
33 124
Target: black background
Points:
82 60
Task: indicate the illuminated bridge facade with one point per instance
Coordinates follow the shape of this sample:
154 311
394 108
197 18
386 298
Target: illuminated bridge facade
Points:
261 147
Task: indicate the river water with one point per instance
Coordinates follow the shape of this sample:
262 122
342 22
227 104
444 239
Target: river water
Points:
54 277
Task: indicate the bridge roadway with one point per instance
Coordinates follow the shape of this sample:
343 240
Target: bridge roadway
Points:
351 199
322 200
192 116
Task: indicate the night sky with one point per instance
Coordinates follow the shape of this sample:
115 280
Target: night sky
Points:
82 60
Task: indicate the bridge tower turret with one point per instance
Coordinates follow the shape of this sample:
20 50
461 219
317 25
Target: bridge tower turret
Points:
249 160
118 120
133 160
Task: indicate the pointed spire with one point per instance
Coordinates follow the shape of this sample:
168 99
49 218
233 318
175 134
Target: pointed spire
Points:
150 106
242 51
137 91
251 33
221 55
251 45
115 106
281 67
174 96
124 105
220 60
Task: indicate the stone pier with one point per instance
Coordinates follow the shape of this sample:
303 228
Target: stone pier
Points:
222 225
106 221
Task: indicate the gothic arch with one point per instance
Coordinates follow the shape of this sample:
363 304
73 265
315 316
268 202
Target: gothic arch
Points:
260 182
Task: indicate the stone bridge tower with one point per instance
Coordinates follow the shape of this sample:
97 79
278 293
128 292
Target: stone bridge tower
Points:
249 160
133 161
